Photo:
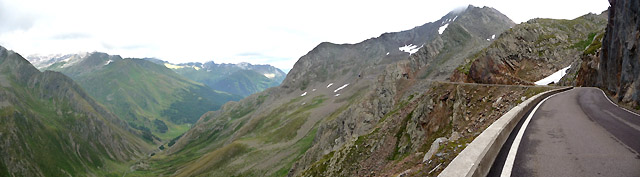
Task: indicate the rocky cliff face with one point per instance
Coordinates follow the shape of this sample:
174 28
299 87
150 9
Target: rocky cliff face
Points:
619 68
333 94
532 50
51 127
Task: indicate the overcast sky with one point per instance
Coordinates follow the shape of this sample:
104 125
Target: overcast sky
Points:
275 32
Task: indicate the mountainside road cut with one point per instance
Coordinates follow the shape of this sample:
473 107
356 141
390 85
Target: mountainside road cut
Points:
579 132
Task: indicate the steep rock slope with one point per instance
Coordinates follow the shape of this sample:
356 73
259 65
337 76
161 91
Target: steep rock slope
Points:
619 68
241 79
333 93
423 133
532 50
150 97
50 127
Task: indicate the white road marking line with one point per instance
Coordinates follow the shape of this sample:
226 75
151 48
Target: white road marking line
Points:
605 95
508 164
634 126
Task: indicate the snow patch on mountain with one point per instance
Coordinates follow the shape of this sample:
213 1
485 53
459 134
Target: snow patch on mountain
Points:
172 66
553 78
340 88
410 48
73 60
442 28
270 75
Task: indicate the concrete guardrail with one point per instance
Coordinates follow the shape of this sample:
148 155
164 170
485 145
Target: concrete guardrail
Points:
477 158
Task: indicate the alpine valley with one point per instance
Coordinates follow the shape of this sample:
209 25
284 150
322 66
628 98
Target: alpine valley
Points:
401 104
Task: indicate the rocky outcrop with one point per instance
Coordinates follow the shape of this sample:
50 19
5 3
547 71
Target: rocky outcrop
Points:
619 68
532 50
446 114
473 30
584 72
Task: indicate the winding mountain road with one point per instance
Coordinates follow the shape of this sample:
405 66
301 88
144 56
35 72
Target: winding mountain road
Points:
579 132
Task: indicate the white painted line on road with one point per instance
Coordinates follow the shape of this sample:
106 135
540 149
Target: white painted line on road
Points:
511 157
622 120
605 95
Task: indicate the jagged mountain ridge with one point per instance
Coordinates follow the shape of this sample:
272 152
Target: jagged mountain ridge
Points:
150 97
240 79
316 108
386 49
51 127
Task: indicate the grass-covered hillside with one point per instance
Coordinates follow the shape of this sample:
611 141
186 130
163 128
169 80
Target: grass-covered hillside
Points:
150 97
50 127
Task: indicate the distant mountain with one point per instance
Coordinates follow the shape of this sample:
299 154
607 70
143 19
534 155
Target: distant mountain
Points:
148 96
50 127
335 97
43 61
240 79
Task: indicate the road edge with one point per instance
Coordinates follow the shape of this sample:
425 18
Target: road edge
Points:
477 158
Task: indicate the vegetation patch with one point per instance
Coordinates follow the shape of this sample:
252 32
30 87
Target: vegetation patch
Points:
584 43
399 134
215 159
595 45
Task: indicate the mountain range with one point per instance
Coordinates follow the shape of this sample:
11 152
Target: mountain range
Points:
241 79
150 97
333 94
400 104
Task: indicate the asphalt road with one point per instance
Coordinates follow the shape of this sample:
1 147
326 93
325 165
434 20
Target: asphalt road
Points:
575 133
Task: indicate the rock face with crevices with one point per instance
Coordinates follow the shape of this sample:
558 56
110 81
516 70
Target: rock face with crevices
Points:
619 69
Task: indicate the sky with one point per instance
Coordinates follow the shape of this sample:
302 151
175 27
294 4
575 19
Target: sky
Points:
275 32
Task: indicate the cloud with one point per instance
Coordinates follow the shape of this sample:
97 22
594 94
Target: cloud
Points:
12 18
249 54
66 36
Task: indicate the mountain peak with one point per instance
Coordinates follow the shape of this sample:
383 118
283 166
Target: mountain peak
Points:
329 61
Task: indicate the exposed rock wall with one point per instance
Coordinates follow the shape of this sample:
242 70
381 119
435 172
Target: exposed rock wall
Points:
620 63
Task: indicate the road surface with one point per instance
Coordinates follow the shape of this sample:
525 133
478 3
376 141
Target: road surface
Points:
574 133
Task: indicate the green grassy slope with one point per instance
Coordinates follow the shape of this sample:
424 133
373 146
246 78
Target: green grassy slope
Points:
150 97
50 127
